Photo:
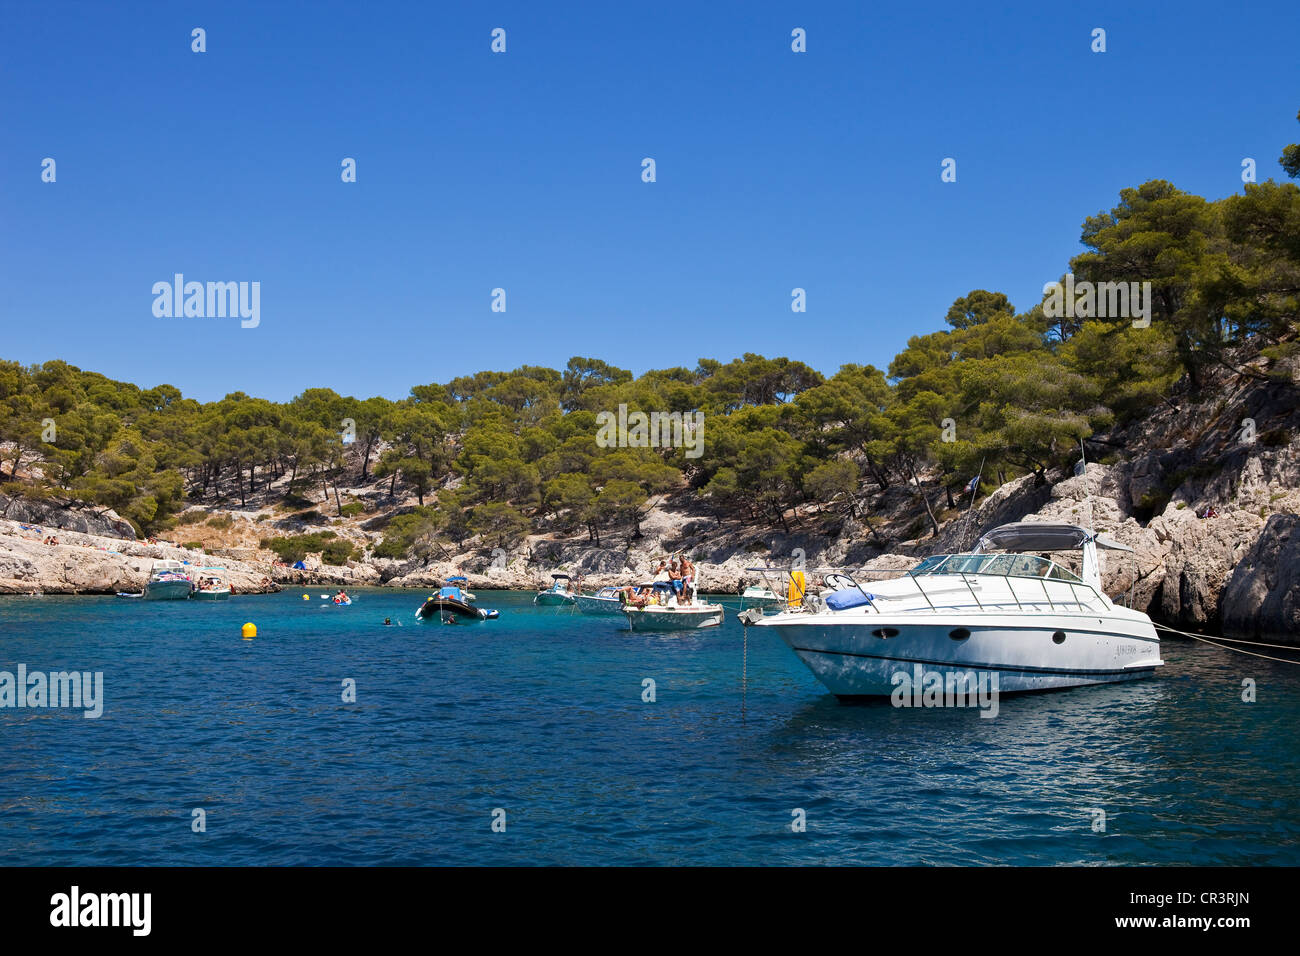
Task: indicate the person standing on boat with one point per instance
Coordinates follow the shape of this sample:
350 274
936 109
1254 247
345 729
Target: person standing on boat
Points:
688 580
675 578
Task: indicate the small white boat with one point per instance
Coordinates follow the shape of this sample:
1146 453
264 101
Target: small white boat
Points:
756 595
210 585
560 592
686 617
169 580
668 614
604 603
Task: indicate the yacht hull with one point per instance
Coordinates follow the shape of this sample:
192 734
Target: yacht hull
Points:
673 619
552 599
1051 652
167 590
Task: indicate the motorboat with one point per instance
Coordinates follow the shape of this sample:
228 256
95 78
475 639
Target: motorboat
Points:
683 618
210 585
666 613
560 592
606 602
169 580
759 595
451 603
1004 609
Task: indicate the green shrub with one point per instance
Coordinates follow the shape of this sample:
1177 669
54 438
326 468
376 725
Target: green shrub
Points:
333 549
19 489
338 552
294 503
353 508
220 522
191 517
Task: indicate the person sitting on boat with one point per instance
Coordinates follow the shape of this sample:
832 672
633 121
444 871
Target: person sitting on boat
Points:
341 597
638 597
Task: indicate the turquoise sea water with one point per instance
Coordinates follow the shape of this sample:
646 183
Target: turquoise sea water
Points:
540 714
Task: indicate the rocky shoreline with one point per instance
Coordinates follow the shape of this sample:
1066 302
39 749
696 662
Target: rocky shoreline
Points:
1236 571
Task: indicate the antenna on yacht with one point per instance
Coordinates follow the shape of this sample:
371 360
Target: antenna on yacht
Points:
1087 492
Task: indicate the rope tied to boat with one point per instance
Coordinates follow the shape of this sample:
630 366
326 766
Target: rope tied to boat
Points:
1236 640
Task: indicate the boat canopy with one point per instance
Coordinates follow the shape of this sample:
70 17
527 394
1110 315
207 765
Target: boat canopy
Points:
1042 536
457 579
449 592
564 576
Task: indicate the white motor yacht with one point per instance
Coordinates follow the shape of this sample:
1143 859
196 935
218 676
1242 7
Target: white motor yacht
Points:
1003 609
169 580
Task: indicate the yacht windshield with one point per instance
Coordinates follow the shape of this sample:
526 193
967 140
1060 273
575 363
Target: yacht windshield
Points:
1010 565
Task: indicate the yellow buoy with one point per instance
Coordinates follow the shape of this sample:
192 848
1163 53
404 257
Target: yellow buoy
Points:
306 597
249 631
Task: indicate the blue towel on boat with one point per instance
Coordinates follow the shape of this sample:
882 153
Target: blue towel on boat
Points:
851 597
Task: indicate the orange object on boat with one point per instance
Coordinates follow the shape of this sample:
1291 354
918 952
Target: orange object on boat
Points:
794 596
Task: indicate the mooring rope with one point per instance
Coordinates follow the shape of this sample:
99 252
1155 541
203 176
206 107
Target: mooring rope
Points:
744 674
1236 640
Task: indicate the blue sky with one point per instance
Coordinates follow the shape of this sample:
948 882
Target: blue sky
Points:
522 171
